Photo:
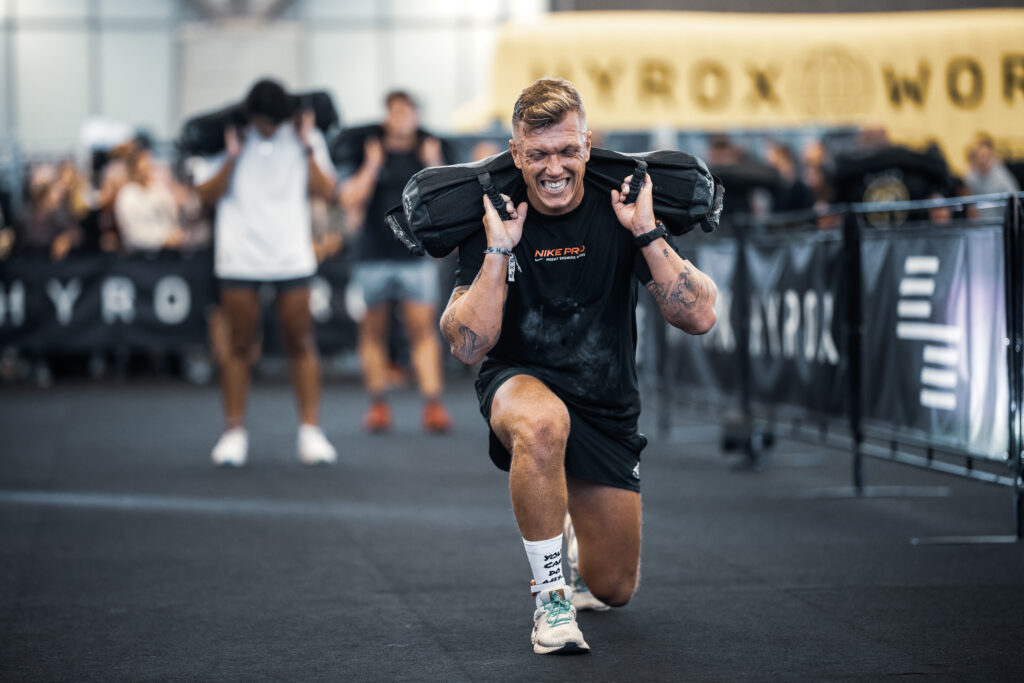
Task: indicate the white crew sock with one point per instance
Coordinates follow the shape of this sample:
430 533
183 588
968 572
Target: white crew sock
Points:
546 563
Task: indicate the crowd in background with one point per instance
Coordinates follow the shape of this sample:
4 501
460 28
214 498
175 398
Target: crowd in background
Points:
132 201
129 201
131 198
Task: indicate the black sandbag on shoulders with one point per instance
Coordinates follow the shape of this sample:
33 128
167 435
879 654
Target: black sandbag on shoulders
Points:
348 148
442 206
686 193
203 134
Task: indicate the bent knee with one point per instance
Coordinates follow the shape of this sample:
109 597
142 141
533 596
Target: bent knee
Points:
614 592
541 431
618 597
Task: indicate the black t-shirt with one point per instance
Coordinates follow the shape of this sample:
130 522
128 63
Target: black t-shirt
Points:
570 313
376 243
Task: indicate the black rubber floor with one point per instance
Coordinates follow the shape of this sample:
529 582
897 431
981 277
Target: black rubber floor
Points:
125 556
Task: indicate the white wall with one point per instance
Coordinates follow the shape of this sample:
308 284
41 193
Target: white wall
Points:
150 64
64 61
439 50
220 62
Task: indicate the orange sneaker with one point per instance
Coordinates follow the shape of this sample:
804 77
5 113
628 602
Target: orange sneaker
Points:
378 417
435 418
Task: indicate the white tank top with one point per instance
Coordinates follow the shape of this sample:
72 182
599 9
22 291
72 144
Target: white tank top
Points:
263 229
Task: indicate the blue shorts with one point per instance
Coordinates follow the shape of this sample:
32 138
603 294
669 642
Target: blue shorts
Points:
383 281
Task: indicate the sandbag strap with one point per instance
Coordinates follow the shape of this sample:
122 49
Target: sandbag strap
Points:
484 178
395 220
636 183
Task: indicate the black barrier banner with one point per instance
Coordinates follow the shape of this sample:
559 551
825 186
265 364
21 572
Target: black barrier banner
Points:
90 303
797 305
934 355
708 361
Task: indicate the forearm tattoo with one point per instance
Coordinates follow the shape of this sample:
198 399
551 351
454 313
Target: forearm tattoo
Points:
688 290
465 342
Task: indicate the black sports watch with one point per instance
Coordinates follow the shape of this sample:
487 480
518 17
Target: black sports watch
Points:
659 231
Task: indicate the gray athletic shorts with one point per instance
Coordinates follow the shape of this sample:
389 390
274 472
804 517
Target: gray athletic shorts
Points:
382 281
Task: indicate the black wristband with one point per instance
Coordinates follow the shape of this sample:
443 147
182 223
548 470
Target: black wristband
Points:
659 231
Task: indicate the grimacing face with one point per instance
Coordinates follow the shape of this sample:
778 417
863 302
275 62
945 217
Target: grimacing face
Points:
553 161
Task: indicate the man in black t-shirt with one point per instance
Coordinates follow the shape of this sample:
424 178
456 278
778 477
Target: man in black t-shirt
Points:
546 299
386 272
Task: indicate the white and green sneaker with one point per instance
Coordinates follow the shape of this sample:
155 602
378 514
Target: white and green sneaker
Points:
554 625
582 598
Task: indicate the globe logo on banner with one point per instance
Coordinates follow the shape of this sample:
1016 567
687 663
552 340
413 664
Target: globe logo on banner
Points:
833 82
942 342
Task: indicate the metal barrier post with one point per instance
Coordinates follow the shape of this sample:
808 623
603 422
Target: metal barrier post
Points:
751 441
1014 266
854 332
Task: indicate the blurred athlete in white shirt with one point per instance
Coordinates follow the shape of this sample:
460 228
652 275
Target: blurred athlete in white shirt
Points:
261 186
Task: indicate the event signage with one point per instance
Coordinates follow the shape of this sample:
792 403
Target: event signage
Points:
938 76
789 324
796 310
709 360
933 354
90 303
935 358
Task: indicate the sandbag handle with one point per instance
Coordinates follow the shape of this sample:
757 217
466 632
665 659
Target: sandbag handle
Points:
484 178
636 183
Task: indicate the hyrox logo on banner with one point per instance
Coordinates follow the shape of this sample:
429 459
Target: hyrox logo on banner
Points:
942 342
786 324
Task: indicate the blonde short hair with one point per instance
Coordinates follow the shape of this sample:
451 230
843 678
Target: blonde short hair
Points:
546 102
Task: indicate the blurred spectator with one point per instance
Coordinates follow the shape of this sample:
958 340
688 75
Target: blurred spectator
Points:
48 228
261 184
145 208
113 176
484 149
791 193
878 171
987 174
6 236
749 183
76 189
327 237
386 272
940 215
816 177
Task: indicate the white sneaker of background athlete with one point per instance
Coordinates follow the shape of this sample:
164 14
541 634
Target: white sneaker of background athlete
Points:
313 447
582 598
554 625
232 448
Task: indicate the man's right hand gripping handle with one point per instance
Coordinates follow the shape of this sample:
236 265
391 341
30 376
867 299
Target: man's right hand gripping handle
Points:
503 233
472 321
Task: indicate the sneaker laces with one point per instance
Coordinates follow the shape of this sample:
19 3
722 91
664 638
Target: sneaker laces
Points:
559 610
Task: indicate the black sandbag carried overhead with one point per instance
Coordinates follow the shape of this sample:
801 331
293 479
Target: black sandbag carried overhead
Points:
203 134
441 206
348 147
907 174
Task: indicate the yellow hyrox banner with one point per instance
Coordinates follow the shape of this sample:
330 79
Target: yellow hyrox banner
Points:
926 76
